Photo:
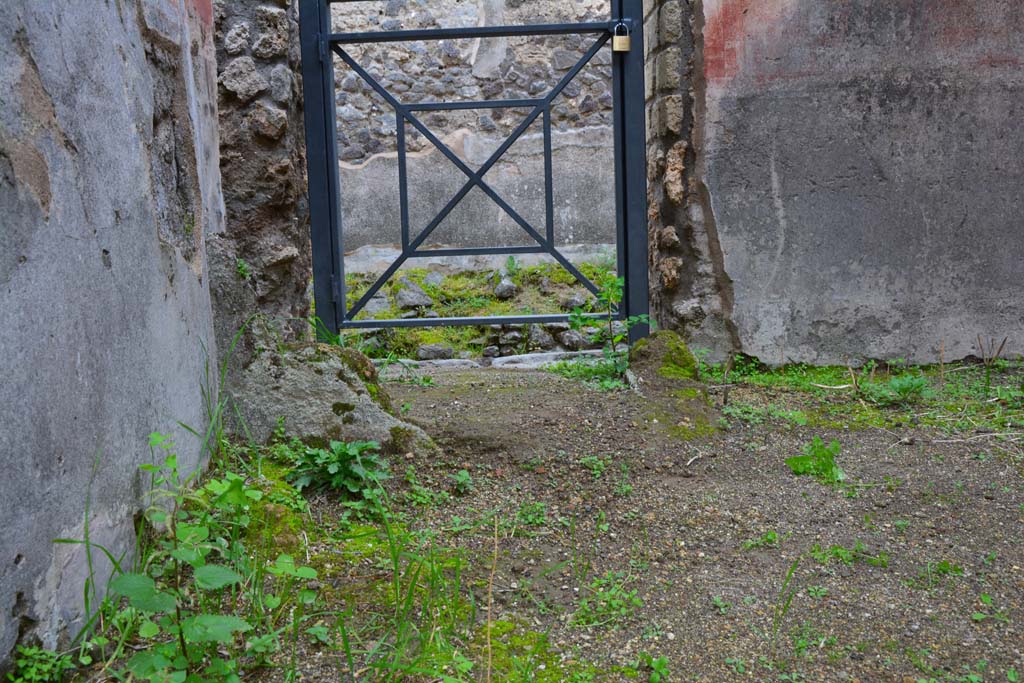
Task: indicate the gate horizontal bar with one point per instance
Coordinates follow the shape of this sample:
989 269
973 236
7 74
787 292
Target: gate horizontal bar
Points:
481 104
478 251
469 32
484 320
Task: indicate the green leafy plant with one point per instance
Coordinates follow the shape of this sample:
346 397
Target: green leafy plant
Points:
420 495
180 600
512 267
463 482
898 390
532 514
355 467
243 269
991 611
607 601
623 487
736 664
608 372
859 552
596 465
769 539
604 374
819 461
657 667
721 605
36 665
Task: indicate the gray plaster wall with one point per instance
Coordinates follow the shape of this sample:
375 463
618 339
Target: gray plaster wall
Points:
848 177
109 182
583 185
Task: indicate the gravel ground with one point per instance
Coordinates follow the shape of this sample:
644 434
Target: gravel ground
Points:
934 522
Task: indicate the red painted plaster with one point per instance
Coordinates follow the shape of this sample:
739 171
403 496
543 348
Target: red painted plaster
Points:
765 41
203 9
729 25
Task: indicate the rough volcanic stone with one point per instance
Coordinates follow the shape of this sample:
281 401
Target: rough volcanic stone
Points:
574 301
243 79
540 338
237 40
563 59
510 338
506 289
573 340
268 121
273 38
411 295
435 352
378 303
323 392
281 83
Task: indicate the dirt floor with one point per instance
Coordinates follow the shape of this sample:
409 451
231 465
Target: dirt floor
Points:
619 542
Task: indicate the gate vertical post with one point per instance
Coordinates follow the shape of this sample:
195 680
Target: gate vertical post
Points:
321 168
631 132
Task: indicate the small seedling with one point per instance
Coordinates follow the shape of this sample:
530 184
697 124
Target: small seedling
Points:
721 605
532 514
817 591
243 269
595 465
463 482
36 665
768 539
658 667
819 461
990 611
859 552
737 665
934 573
607 602
623 487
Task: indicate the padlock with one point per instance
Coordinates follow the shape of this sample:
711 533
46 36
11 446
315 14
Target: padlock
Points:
621 42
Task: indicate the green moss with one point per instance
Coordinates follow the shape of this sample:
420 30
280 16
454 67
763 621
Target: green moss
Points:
403 439
363 542
340 408
275 528
690 394
379 396
679 362
520 655
696 426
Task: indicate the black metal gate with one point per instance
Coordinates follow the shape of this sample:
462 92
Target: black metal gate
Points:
319 43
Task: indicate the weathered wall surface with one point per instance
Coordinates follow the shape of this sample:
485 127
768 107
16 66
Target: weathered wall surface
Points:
857 175
108 184
263 162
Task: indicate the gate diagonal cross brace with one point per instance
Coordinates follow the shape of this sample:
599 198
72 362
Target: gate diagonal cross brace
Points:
404 113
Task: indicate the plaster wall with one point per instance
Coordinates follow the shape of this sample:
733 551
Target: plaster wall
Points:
109 183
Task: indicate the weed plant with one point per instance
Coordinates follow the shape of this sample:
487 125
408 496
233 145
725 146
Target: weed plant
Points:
819 461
